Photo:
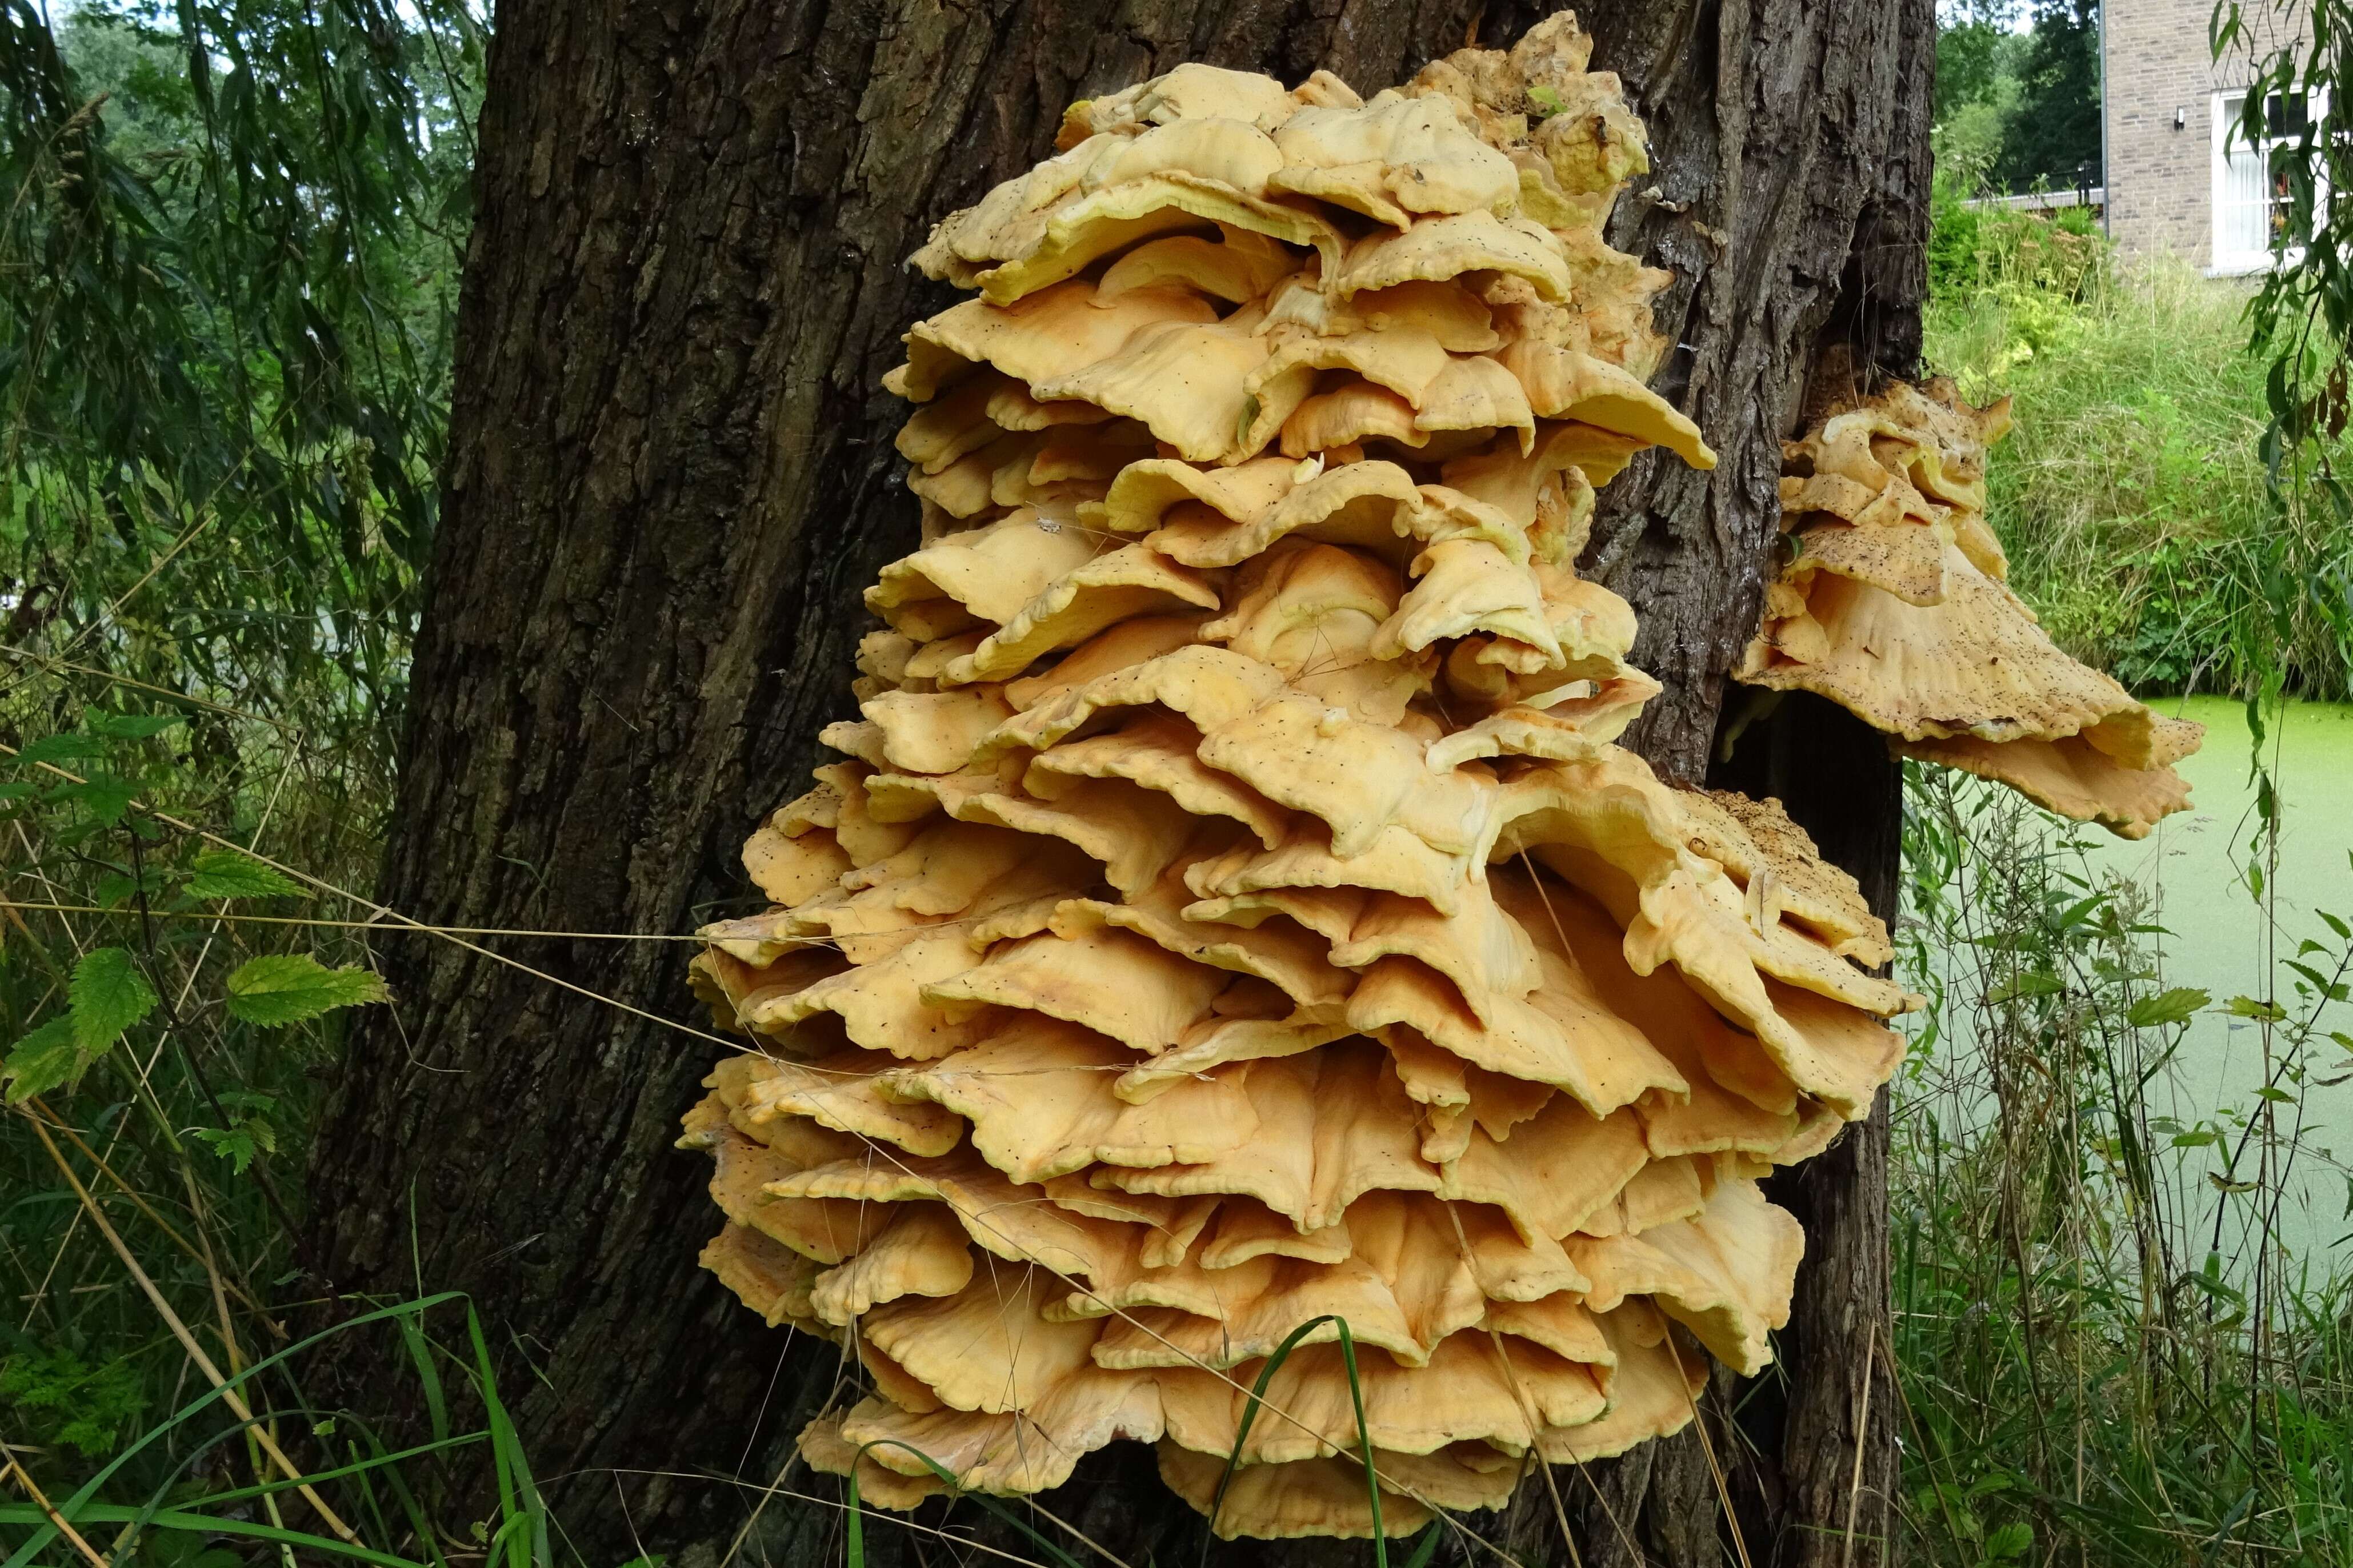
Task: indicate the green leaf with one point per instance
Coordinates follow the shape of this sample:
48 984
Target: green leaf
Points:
2076 914
240 1143
288 987
41 1060
225 874
2011 1541
108 996
118 887
60 748
57 1398
183 1549
2167 1007
2248 1007
2033 983
106 795
248 1136
233 1145
115 888
128 726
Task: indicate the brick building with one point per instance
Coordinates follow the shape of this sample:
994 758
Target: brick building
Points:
2178 177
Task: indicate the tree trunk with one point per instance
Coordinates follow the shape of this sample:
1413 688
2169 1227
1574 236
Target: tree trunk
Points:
670 475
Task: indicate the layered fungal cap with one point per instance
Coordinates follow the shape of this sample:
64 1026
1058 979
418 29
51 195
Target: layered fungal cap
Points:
1234 916
1889 599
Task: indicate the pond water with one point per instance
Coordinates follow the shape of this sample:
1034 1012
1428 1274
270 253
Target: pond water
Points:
2219 941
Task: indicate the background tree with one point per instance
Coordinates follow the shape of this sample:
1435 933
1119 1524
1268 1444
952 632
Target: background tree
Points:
670 471
1978 46
1973 48
2017 108
2054 133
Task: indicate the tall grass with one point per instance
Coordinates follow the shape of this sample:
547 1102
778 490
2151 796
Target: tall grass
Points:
167 1004
2107 1353
2132 493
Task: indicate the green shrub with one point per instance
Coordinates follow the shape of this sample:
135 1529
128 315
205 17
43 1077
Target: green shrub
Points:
58 1400
2108 1354
2132 493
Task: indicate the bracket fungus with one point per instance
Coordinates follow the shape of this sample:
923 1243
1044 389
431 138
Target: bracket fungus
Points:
1891 599
1234 916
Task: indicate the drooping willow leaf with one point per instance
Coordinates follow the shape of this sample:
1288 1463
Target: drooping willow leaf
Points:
230 238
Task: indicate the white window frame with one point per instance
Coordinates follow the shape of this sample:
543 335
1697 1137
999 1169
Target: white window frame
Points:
2223 110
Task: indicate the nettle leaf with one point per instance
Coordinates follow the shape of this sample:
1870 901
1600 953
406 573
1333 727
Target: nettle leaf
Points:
283 988
118 888
108 996
240 1143
2173 1007
41 1060
106 795
128 726
225 874
63 748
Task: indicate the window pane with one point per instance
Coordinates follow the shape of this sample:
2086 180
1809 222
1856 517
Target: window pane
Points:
2227 114
2243 206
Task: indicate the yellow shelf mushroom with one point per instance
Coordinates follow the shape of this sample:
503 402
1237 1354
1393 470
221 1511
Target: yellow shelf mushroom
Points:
1891 602
1233 911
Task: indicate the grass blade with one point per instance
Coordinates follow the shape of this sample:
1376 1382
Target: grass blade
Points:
1249 1416
437 1405
525 1532
205 1523
72 1508
1365 1442
856 1533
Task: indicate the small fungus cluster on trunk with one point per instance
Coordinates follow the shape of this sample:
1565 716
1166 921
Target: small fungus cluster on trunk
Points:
1891 601
1234 914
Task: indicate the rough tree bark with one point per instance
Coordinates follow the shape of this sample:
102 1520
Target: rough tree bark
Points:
671 473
